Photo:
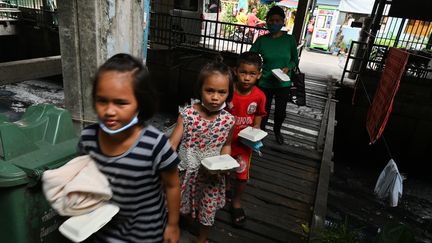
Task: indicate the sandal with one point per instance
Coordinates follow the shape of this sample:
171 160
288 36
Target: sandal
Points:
238 217
229 195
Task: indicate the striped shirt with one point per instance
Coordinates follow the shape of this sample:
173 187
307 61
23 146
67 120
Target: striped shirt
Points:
136 185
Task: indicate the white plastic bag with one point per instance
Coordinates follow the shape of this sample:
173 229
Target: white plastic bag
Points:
389 184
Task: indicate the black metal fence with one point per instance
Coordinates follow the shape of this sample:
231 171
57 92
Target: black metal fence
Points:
36 12
174 31
413 35
419 62
8 11
402 32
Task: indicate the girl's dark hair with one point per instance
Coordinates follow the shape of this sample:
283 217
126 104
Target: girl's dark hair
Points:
275 10
143 90
249 57
215 67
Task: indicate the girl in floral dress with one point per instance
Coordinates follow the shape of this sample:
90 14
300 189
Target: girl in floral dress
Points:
203 130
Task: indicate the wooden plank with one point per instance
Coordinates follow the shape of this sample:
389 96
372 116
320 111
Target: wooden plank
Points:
293 136
320 205
300 131
320 139
280 190
313 125
220 232
259 175
298 214
276 218
293 112
292 142
282 179
275 199
223 232
16 71
305 164
254 231
302 175
273 235
286 165
258 230
304 153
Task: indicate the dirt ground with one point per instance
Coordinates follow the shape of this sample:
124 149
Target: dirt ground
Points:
351 198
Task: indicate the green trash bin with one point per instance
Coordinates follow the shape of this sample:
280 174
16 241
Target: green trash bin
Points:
43 139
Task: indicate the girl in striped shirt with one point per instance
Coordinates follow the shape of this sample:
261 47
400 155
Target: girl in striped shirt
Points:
136 158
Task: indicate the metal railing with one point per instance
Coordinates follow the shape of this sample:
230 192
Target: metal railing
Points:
175 31
417 66
402 32
32 11
8 12
40 17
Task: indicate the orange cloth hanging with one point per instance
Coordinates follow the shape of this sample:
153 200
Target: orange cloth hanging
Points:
382 103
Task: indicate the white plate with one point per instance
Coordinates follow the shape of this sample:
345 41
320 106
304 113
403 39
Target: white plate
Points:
252 134
221 162
279 74
79 228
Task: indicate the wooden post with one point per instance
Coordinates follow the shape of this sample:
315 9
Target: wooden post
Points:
300 19
91 32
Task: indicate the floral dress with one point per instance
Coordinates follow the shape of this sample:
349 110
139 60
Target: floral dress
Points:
202 193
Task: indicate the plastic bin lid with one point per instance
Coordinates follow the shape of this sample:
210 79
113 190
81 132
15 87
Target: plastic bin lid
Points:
43 139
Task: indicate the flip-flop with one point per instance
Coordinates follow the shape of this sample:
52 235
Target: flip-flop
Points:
229 195
238 217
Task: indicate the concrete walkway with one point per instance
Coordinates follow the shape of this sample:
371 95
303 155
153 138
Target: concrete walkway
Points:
321 65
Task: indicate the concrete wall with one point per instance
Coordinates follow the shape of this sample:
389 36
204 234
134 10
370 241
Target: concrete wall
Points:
90 33
408 131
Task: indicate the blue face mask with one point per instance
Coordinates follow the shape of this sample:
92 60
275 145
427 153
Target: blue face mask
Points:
273 28
133 122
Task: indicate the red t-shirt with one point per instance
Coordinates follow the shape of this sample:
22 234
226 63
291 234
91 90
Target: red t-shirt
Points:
245 108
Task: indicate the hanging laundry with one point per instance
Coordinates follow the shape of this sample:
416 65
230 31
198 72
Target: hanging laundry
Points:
76 188
382 103
389 184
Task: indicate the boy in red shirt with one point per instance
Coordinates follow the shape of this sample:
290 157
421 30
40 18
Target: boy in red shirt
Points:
248 107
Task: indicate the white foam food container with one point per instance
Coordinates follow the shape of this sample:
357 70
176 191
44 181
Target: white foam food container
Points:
279 74
252 134
79 228
221 162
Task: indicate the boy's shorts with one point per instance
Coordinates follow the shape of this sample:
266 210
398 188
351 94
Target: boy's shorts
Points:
243 156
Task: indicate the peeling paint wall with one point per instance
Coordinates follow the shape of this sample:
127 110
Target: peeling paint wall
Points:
124 20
